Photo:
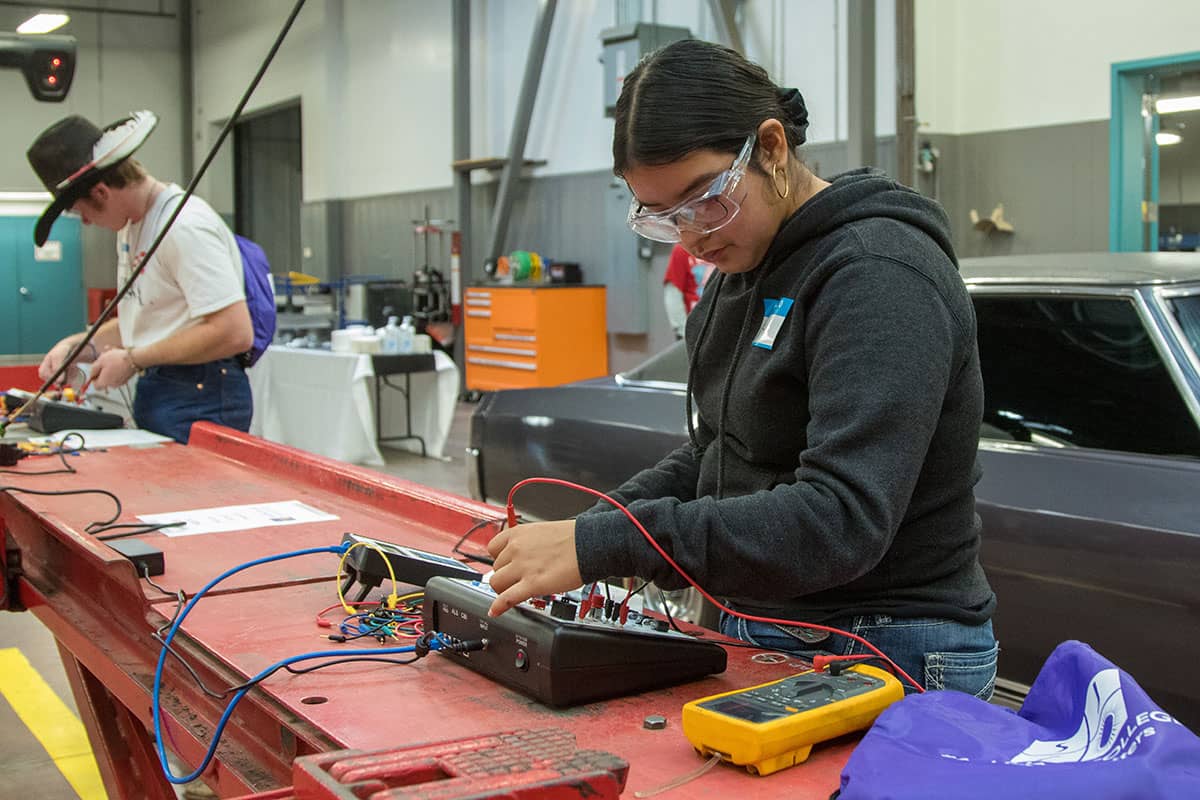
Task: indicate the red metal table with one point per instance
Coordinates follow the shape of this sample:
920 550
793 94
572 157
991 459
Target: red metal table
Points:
103 617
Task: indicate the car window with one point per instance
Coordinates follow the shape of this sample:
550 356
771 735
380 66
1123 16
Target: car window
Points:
1082 372
1187 314
666 366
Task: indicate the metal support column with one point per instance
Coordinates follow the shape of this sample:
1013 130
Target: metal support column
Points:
906 91
460 80
520 130
724 15
186 96
860 52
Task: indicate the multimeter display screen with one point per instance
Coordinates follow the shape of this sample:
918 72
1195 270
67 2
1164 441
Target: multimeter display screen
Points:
750 712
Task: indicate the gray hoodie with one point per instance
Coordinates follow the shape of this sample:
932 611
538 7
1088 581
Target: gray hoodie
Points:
832 472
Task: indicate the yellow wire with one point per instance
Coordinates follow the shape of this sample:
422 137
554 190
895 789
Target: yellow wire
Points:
392 600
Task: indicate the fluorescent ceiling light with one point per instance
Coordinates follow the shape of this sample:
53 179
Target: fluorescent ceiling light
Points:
1173 105
43 23
1163 138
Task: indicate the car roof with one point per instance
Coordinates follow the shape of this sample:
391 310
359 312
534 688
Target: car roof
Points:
1083 268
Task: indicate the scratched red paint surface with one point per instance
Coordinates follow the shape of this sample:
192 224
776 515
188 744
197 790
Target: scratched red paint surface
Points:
375 706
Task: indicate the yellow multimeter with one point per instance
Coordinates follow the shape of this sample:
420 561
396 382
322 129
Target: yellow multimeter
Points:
774 725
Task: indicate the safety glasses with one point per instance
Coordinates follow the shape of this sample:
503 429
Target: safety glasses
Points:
704 213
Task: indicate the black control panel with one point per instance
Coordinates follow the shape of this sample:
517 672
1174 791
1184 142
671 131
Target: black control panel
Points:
559 658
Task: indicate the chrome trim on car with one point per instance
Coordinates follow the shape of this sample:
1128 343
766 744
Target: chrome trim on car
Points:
473 472
1182 384
666 386
1165 295
989 288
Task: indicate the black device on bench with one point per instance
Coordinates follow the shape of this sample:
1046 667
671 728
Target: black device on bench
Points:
52 416
365 565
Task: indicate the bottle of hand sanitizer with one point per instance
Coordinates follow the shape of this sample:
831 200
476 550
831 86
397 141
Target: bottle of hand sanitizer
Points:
391 336
408 332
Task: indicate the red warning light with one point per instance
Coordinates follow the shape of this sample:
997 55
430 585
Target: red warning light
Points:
55 62
51 80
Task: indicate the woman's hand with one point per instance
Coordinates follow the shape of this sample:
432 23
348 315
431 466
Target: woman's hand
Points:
533 559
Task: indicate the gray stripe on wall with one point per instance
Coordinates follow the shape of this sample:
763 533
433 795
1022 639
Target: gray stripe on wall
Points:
1052 180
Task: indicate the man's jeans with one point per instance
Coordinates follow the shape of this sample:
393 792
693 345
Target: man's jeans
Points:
170 398
938 653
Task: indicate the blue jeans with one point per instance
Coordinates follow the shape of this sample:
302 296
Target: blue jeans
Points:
938 653
170 398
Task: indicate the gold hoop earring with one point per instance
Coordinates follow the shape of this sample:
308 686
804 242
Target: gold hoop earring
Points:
787 187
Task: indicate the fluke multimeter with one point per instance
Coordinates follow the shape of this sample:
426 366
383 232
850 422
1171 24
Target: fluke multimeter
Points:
774 725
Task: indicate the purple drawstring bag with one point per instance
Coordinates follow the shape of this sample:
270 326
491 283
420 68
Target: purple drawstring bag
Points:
1086 730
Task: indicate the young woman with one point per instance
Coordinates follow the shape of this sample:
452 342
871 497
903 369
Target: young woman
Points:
835 380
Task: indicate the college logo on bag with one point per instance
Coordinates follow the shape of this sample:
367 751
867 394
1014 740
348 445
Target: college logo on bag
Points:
1099 733
1105 732
1100 730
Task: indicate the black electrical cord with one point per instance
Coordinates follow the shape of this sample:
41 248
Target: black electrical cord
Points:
667 610
352 660
177 595
90 333
462 539
64 492
180 599
67 469
135 529
698 634
422 649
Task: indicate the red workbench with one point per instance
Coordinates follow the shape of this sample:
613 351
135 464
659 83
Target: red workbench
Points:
103 617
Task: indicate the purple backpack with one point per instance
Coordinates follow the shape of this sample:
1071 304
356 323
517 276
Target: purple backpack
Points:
1086 730
260 298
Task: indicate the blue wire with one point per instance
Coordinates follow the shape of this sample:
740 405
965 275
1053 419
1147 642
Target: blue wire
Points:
435 644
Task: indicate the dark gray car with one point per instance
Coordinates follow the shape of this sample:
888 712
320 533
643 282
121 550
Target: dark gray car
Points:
1090 450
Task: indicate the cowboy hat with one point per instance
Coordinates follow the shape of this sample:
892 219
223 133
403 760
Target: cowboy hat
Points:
73 155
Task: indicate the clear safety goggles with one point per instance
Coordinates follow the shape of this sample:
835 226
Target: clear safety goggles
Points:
704 213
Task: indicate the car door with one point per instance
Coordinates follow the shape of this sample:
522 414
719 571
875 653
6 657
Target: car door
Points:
1091 469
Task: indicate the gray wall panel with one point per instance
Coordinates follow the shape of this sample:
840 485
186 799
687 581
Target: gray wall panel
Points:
1053 182
831 158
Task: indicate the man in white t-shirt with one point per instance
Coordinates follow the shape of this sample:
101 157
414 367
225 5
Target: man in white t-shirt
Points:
185 320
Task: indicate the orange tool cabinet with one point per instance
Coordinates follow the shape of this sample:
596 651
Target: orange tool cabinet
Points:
522 336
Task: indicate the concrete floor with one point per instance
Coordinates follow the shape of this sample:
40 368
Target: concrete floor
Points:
26 769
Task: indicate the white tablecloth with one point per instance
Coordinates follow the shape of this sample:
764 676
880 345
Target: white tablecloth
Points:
324 403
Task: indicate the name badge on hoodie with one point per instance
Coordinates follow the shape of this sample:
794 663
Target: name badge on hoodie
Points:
774 313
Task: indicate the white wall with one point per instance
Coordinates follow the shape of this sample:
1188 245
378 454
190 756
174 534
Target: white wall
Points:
988 65
373 78
229 41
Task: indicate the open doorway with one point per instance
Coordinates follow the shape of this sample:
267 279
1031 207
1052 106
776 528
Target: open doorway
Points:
1145 155
268 184
1178 139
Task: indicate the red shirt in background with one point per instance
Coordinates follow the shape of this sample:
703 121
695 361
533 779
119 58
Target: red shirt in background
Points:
688 274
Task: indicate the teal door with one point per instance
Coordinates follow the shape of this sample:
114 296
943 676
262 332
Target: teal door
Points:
43 297
9 296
